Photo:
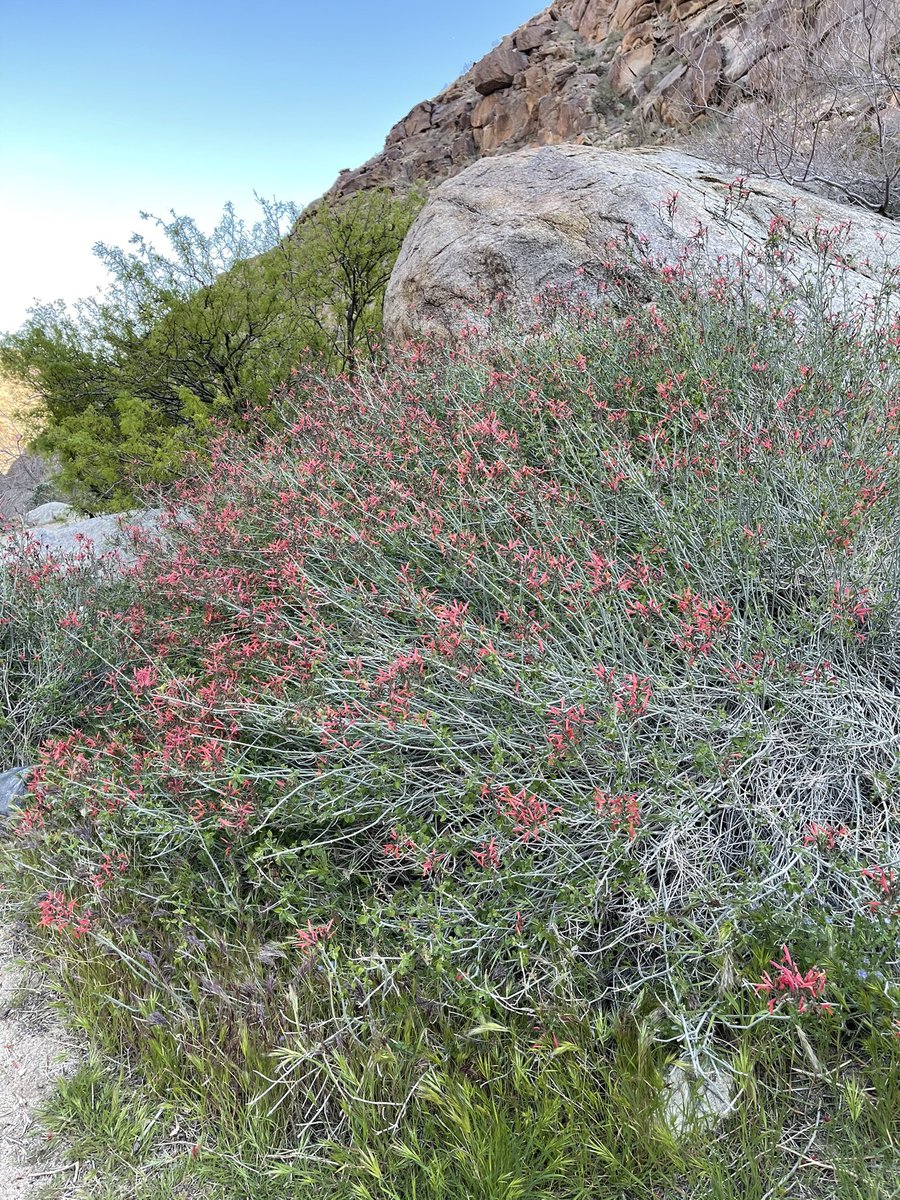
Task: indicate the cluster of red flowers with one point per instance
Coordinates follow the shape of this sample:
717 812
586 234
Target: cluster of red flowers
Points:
314 935
61 914
488 856
703 622
622 810
529 815
850 608
567 725
886 902
110 866
789 983
630 694
826 837
403 848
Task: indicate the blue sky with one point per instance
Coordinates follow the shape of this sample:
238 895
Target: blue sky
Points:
110 108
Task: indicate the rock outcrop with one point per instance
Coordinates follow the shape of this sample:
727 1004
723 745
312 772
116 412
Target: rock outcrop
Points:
609 72
18 484
546 217
57 528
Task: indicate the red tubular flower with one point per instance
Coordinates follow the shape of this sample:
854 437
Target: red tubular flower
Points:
789 983
313 935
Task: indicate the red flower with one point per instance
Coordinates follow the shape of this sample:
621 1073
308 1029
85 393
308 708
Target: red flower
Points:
313 935
789 983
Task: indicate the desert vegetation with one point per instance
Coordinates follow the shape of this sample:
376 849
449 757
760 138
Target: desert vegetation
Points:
200 331
825 112
493 752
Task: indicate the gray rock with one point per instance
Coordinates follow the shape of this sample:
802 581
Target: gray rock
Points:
540 217
697 1100
49 514
12 787
104 533
19 482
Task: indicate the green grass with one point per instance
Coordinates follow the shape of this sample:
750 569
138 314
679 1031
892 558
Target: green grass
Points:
100 1116
491 1115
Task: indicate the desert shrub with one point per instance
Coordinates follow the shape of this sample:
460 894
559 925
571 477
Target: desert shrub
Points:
50 681
131 380
510 689
821 113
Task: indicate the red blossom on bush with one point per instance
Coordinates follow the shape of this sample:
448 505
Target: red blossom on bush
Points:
110 866
630 694
61 914
825 837
703 622
887 888
804 989
567 725
313 935
529 815
850 608
622 810
488 856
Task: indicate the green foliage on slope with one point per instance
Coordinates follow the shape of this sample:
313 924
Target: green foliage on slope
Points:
131 380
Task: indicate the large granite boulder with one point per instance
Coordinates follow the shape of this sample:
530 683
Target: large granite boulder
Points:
545 217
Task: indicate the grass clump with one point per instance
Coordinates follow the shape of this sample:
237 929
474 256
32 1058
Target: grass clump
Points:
516 721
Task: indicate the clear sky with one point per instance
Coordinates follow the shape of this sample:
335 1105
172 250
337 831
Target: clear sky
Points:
113 107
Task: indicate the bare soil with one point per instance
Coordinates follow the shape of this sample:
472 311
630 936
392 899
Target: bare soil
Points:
34 1050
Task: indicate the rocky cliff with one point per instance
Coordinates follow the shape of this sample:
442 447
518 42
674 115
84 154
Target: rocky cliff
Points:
619 73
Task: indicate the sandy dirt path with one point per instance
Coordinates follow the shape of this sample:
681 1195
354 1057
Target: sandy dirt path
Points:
32 1049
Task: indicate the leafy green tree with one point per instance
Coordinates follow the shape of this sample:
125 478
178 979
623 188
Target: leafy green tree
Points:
340 265
209 327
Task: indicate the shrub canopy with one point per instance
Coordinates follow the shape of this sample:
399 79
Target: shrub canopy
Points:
131 379
543 674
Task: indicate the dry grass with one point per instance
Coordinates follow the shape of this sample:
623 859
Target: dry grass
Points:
16 399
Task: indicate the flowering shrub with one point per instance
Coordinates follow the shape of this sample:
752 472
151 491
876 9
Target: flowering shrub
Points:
529 665
61 914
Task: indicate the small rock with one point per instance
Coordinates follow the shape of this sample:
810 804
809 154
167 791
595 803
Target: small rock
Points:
12 787
697 1101
49 514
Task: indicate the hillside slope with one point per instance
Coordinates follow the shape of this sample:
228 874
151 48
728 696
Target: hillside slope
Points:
622 72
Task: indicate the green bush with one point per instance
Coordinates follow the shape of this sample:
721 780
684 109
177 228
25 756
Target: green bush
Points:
131 380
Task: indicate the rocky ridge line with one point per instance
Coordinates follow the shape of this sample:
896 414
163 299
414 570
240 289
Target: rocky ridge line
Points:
601 72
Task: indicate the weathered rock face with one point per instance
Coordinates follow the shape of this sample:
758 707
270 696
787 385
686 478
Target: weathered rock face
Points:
545 217
58 528
18 484
600 72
